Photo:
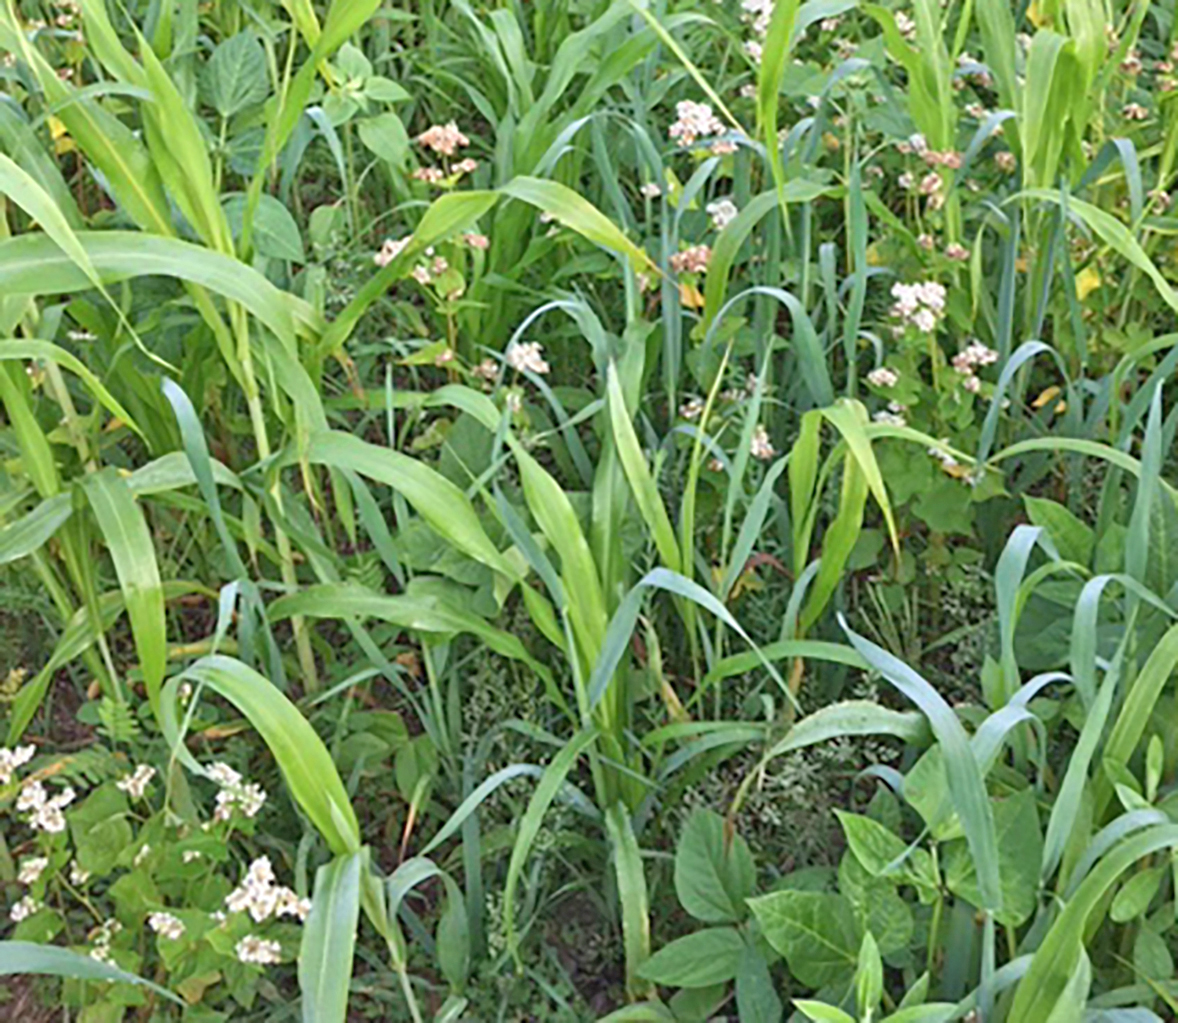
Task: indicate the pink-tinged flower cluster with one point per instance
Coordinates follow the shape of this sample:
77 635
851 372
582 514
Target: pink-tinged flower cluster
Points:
477 241
444 139
694 121
693 260
527 355
881 376
968 359
390 250
919 305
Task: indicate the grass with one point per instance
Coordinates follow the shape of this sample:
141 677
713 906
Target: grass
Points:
604 511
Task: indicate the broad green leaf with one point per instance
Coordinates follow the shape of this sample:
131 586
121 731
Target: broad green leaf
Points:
701 959
816 932
235 76
329 938
714 872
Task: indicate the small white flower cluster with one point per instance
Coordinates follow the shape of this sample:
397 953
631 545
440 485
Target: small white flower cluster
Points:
692 408
920 305
973 355
390 250
527 355
893 415
942 455
692 260
444 139
881 376
906 26
694 121
11 759
166 925
761 447
758 14
78 876
23 909
722 213
235 793
31 869
259 896
424 273
44 811
651 190
135 785
258 951
102 939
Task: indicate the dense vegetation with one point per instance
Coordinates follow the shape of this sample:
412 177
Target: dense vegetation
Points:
574 509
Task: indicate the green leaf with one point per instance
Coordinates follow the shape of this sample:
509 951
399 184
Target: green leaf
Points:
235 76
28 533
707 957
1136 894
1073 538
131 549
24 957
329 939
817 932
632 897
275 232
714 873
385 135
304 761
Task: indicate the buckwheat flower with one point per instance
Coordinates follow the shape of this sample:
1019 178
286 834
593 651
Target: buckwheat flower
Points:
141 855
691 260
976 111
100 953
388 252
931 183
1134 112
972 384
723 147
926 241
477 241
23 909
513 400
932 295
444 139
31 869
650 190
829 24
526 355
943 456
11 759
906 25
466 166
881 376
135 785
81 335
715 465
45 811
924 320
722 212
224 775
487 370
755 50
420 273
190 855
693 121
761 447
78 876
957 251
950 159
430 175
748 91
289 904
692 408
1005 161
1132 64
918 144
444 356
889 418
259 951
907 181
166 925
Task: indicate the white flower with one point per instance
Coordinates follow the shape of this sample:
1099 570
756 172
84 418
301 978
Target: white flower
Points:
919 305
526 355
259 896
890 418
443 138
23 909
166 925
972 384
100 953
235 793
11 759
692 408
761 447
78 876
722 212
943 456
32 869
135 785
141 855
190 855
45 811
692 260
881 376
974 354
651 190
694 121
388 252
260 951
906 25
925 320
957 251
514 401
